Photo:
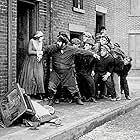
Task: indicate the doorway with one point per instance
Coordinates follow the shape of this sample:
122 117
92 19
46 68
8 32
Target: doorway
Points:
75 35
100 21
26 27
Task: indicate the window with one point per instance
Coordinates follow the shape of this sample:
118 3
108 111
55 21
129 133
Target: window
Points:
135 7
75 35
100 21
134 48
78 4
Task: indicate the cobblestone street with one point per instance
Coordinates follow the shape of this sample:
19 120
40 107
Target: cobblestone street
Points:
124 127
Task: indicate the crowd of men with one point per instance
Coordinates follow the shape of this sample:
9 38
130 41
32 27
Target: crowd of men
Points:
88 70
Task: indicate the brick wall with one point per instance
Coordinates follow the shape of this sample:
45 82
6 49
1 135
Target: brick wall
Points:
52 20
63 16
3 46
124 22
13 45
44 24
44 20
109 17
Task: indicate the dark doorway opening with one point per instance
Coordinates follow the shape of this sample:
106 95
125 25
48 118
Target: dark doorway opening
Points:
100 21
75 35
26 27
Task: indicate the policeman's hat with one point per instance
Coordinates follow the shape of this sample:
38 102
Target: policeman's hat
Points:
90 41
76 41
62 33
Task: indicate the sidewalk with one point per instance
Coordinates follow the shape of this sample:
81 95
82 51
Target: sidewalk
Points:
77 120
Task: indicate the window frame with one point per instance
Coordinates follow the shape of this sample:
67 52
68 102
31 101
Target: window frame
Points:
78 6
134 8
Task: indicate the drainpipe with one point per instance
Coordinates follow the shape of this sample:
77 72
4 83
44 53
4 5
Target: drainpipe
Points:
51 22
9 44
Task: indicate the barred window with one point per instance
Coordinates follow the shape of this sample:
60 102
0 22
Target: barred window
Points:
135 7
78 4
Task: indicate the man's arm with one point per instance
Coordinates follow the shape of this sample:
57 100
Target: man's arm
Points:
110 69
86 52
53 48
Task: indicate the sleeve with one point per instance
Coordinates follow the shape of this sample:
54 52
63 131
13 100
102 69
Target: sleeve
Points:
119 65
93 62
52 49
120 52
127 67
110 65
82 52
30 48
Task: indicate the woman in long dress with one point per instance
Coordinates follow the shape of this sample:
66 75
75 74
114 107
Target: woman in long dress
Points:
32 76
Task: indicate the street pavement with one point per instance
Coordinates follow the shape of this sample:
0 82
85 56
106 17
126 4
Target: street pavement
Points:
124 127
77 120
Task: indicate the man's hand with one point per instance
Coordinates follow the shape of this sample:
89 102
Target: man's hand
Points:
59 43
105 77
96 56
92 73
40 52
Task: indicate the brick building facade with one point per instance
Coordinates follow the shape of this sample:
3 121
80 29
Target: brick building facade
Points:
19 19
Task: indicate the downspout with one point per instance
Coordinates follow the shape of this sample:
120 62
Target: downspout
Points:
51 22
9 44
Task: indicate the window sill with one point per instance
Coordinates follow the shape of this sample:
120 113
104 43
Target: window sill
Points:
132 15
78 10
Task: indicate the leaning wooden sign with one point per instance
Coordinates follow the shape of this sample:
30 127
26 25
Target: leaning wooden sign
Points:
13 105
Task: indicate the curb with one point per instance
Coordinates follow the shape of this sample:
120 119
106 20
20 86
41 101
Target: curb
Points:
88 124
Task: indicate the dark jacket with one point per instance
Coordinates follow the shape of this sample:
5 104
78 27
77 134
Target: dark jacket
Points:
104 65
126 69
118 65
84 63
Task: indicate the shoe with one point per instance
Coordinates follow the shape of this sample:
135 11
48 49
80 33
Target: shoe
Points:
118 98
69 101
79 102
57 101
112 99
128 98
91 99
84 99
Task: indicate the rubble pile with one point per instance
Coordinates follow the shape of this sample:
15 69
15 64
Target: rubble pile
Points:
16 106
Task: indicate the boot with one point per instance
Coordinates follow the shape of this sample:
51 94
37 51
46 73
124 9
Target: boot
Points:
50 97
127 97
92 99
77 98
79 101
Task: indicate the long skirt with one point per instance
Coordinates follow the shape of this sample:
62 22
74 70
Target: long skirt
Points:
32 76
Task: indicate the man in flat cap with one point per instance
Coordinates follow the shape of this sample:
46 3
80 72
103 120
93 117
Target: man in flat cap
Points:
103 73
84 66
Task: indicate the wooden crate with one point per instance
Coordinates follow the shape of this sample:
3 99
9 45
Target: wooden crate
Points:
13 104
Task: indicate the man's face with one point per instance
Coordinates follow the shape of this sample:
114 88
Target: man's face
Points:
76 45
103 32
87 46
41 38
103 52
103 41
85 37
126 60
